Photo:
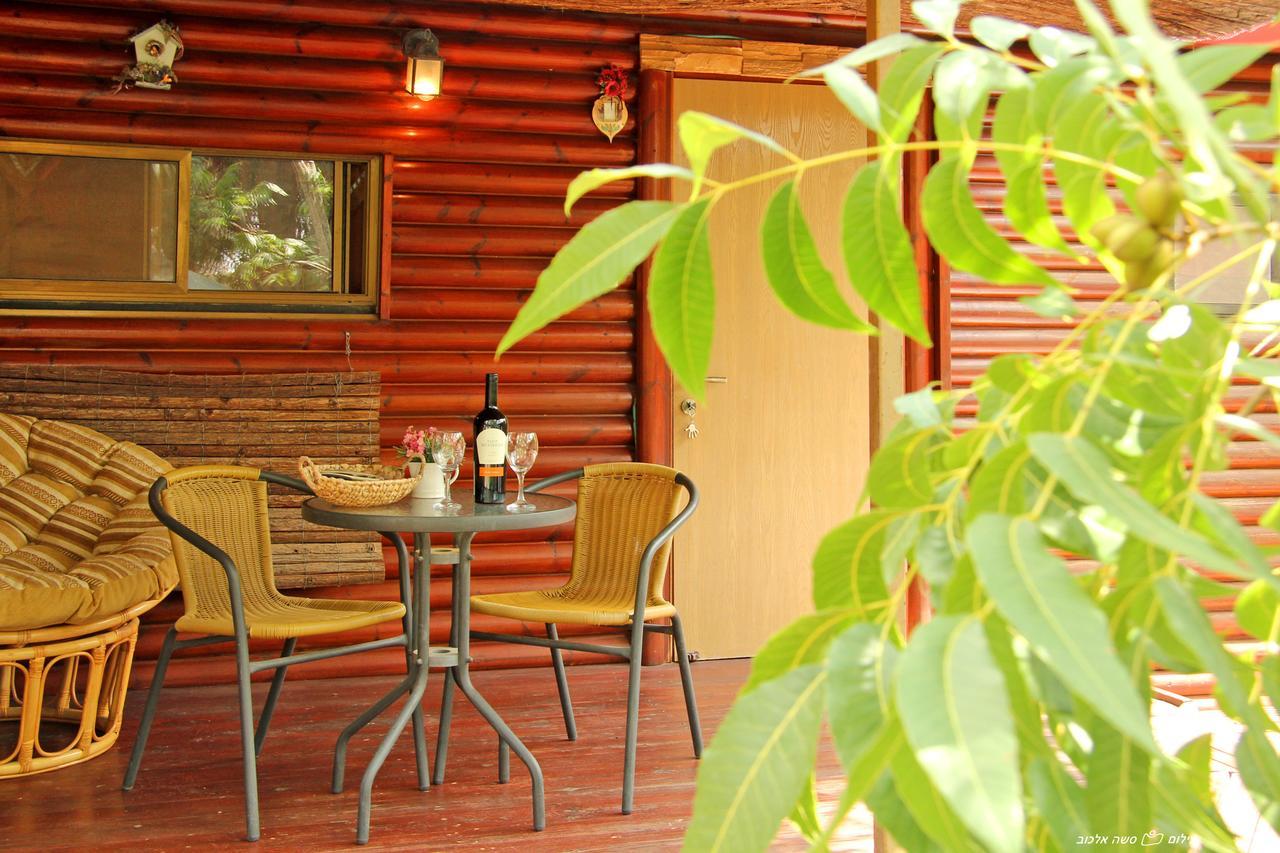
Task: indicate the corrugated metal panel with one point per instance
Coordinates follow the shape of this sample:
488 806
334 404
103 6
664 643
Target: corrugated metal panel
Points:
987 320
477 192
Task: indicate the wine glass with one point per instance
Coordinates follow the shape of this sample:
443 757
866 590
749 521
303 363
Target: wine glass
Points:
448 449
522 450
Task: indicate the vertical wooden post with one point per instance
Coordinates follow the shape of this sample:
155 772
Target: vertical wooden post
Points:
654 439
884 17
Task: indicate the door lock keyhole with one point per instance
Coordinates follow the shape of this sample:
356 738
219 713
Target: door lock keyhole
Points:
690 409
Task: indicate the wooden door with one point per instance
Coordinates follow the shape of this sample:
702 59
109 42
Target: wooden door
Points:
783 444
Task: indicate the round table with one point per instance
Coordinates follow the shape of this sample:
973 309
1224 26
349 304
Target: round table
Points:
414 515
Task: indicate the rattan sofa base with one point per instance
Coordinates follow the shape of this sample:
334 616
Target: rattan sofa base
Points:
62 691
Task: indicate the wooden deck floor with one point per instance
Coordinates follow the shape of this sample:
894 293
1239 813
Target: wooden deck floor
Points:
188 795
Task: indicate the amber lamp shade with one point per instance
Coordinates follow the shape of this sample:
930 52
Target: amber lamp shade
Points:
424 69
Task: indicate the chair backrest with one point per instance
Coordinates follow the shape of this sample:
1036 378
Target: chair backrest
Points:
621 508
226 505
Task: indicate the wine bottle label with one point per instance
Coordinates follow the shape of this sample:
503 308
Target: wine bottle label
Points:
491 450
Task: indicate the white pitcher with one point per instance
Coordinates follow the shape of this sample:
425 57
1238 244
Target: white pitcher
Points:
432 483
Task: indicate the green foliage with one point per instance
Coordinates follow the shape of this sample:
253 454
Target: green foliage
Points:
1056 507
249 233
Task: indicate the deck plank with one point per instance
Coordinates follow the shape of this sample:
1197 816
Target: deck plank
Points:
188 794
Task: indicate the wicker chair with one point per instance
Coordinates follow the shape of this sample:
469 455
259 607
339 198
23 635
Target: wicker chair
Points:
230 595
627 514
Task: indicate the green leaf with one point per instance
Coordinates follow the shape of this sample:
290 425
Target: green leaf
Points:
920 408
1247 123
881 48
954 708
1026 205
1058 799
1036 594
878 252
867 773
805 814
702 135
961 235
899 471
1087 473
1189 621
1202 142
756 767
962 82
594 262
1053 45
1183 796
928 807
846 567
903 89
899 541
1088 129
999 34
855 94
936 553
1257 610
804 641
1118 794
1002 484
1260 771
1059 89
1255 754
892 813
1219 524
860 666
795 271
1208 68
938 16
682 296
593 179
1052 302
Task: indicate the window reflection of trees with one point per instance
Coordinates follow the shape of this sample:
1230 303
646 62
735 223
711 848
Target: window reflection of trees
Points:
261 223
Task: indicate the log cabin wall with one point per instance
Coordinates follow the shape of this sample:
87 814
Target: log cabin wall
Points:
476 185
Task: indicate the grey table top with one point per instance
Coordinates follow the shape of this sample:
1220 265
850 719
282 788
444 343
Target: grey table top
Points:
413 515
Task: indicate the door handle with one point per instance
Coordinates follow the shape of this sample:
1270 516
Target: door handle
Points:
717 380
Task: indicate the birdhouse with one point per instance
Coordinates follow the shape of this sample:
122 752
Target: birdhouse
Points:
156 49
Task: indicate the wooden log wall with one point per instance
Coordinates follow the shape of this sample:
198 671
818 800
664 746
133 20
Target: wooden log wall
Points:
986 320
477 183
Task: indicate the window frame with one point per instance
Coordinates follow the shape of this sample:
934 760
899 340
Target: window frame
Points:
23 295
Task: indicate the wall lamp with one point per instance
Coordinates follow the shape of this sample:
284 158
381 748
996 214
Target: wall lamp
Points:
424 68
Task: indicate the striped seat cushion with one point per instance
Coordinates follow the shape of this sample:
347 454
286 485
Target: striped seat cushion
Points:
77 540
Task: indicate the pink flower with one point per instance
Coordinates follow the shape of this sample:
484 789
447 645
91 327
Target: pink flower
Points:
415 445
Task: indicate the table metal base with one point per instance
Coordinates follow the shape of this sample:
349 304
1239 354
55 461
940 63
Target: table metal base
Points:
455 658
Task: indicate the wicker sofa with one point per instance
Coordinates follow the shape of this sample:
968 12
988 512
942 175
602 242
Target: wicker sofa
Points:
81 557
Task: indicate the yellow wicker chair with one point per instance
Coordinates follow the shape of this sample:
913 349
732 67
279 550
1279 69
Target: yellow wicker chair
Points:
627 514
217 521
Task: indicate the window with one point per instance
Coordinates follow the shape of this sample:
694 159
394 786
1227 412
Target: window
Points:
129 227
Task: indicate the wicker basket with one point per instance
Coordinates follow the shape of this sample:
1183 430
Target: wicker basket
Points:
393 486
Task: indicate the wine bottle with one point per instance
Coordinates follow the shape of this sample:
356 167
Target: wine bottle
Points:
490 442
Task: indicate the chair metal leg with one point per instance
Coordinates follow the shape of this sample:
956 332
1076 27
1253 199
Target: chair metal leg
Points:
686 681
633 717
149 712
562 684
269 708
247 741
504 762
